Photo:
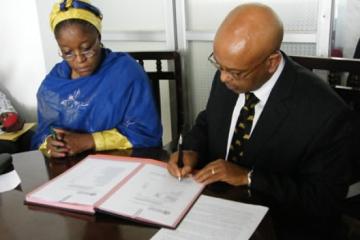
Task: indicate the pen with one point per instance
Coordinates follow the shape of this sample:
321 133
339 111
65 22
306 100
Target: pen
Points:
54 135
180 161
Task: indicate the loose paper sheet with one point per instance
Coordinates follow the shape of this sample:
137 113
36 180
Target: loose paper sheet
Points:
214 218
9 181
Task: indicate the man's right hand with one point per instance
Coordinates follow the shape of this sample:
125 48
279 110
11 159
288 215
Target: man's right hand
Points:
190 159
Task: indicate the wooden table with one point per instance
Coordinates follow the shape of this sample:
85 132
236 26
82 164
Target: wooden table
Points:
20 221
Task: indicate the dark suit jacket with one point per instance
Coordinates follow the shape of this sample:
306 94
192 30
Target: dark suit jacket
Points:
298 148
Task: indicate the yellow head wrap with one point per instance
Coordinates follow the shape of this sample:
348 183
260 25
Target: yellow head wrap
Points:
68 9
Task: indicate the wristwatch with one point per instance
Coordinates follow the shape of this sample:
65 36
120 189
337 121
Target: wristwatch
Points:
249 177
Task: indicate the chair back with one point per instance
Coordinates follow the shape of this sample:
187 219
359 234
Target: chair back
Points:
353 78
171 74
337 69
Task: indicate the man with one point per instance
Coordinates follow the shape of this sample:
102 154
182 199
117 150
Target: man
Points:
291 145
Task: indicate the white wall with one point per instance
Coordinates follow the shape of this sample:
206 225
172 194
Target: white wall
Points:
49 45
21 59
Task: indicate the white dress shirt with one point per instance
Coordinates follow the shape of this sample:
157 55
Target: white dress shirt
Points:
262 94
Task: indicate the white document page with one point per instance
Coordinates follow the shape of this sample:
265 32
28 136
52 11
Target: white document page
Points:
86 182
9 181
353 190
154 195
215 218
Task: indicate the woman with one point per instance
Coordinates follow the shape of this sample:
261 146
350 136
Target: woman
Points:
95 98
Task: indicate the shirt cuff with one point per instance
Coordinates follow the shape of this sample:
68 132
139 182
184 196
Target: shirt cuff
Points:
249 175
43 148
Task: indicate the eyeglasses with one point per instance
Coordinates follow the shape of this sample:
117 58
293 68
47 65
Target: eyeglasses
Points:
236 74
89 53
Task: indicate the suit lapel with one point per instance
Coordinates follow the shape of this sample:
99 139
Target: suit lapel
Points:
273 114
226 109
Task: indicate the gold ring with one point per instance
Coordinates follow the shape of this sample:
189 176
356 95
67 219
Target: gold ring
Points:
49 152
212 171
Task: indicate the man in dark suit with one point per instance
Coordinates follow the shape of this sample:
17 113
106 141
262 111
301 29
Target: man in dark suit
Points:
294 152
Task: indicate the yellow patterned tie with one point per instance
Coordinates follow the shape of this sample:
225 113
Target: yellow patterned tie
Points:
243 128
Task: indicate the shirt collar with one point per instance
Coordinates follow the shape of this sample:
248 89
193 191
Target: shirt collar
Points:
264 91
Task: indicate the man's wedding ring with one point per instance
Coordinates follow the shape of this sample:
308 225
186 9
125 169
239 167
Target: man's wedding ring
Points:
212 171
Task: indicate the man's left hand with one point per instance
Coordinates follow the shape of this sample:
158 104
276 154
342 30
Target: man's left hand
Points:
224 171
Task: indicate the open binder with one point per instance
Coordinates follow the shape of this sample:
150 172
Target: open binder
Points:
133 188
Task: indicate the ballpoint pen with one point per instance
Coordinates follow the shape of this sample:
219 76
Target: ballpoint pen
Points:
180 161
54 134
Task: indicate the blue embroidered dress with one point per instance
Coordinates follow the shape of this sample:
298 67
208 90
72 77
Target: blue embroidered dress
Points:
117 95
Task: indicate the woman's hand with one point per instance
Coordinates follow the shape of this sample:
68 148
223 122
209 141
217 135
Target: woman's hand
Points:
69 143
55 145
76 142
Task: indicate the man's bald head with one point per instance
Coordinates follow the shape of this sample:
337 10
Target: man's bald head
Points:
251 31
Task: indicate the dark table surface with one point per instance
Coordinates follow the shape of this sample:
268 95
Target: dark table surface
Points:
21 221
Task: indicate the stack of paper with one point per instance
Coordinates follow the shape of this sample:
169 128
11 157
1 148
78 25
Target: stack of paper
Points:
215 218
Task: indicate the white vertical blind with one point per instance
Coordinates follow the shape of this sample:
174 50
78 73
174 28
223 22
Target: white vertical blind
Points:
306 25
132 15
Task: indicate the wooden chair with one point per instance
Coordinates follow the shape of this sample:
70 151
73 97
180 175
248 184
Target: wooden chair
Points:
354 79
350 92
175 83
336 67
